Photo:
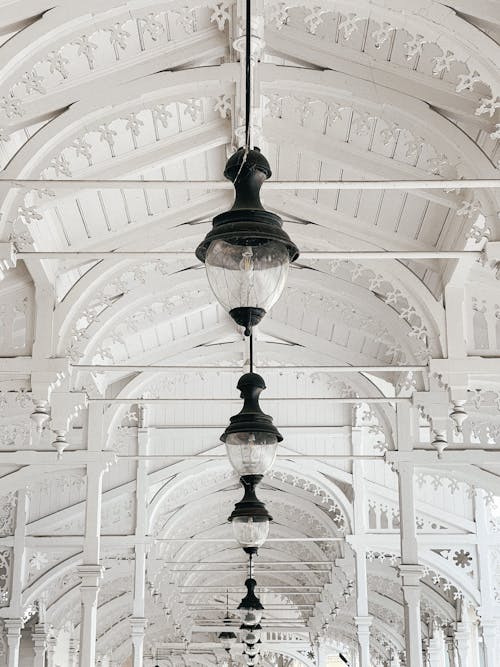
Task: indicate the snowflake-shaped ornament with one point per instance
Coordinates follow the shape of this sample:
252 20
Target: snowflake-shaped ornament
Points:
462 558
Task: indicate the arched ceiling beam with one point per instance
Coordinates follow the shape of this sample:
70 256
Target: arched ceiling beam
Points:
295 44
210 469
349 156
102 272
438 24
328 350
60 26
179 147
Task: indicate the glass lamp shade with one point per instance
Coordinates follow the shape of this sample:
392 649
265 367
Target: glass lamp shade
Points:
250 608
250 518
247 276
252 650
250 532
247 253
252 637
227 640
227 637
250 616
251 634
251 438
252 660
251 453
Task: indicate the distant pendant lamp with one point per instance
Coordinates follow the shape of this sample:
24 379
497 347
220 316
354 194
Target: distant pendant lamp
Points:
247 253
227 637
251 634
250 608
250 518
251 438
252 650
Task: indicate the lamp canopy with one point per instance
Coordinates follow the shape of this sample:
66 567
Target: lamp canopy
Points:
251 419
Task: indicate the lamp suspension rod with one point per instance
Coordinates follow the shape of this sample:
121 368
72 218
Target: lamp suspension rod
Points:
237 589
98 368
180 254
250 346
69 185
233 540
211 457
264 562
248 74
353 400
259 571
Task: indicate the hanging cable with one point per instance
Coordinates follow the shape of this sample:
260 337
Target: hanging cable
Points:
248 85
250 344
248 73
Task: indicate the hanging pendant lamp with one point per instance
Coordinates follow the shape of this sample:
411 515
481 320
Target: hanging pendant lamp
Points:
247 253
227 637
250 608
251 438
250 518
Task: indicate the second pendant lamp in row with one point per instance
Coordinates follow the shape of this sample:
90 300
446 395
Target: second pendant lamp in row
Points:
251 441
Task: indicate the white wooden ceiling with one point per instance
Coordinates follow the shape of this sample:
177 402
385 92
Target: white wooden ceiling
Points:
402 89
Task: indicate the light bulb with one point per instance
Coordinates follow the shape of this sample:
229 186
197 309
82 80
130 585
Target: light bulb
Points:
249 532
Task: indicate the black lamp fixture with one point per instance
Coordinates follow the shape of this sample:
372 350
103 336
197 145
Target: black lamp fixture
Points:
250 518
247 253
251 634
227 637
251 438
250 608
252 649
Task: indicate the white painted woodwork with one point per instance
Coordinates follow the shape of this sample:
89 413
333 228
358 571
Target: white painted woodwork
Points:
381 122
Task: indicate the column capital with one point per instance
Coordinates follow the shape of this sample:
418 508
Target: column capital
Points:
363 622
462 629
410 574
13 625
91 575
138 625
39 637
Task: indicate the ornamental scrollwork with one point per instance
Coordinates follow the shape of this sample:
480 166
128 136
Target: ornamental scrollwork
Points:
5 576
351 19
8 506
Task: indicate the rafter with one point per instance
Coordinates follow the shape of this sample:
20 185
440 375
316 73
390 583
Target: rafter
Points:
434 91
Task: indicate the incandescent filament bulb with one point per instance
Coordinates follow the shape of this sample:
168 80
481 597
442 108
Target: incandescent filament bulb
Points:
246 263
247 267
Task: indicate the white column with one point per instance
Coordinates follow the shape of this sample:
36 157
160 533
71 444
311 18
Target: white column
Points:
462 640
39 637
487 612
437 656
474 652
73 653
91 571
363 624
409 570
138 622
91 576
51 650
13 627
363 619
491 643
138 627
19 553
450 650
